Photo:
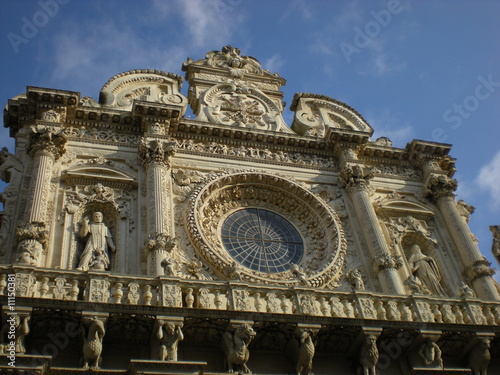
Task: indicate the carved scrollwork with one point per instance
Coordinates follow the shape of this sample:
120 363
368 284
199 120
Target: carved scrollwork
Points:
224 193
354 177
440 186
44 139
156 152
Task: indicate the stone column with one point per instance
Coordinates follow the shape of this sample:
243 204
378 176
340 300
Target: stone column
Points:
156 154
356 181
46 147
439 189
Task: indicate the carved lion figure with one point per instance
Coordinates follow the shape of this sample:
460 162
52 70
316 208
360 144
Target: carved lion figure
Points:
235 347
368 356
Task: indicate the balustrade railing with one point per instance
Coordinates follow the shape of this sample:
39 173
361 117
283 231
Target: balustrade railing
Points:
103 287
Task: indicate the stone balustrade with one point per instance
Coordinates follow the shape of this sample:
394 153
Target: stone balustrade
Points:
104 287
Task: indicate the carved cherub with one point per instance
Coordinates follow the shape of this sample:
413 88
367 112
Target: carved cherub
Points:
169 266
356 280
300 274
193 267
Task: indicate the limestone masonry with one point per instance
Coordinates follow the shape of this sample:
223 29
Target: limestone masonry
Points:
135 240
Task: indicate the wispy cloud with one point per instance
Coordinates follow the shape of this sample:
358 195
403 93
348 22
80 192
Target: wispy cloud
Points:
209 21
387 124
489 180
274 63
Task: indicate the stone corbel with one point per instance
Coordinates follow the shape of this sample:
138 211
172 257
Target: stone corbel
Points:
424 352
16 321
93 330
166 334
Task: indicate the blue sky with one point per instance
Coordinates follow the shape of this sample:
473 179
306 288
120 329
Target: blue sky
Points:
414 69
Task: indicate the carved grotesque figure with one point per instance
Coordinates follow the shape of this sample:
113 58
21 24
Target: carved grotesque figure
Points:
305 353
479 357
233 272
169 335
92 345
430 353
95 255
368 356
235 347
21 329
425 268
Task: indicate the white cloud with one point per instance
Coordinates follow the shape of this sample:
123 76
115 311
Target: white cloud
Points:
273 64
209 21
489 180
386 124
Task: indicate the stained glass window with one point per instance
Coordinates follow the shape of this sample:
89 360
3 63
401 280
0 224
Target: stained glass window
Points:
262 240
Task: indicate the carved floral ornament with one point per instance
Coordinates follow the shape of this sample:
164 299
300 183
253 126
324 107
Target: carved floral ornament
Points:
317 223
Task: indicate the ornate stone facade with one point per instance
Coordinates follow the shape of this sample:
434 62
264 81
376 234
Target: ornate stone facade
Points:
136 239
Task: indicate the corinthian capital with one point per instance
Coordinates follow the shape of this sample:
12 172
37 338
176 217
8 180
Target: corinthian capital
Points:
47 140
439 186
479 269
388 261
354 177
156 151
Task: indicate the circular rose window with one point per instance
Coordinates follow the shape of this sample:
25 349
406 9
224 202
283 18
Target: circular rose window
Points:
262 240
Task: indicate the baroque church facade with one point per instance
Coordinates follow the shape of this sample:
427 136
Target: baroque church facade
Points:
135 240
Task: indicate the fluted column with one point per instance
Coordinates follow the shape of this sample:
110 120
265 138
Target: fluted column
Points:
46 146
356 181
439 188
156 154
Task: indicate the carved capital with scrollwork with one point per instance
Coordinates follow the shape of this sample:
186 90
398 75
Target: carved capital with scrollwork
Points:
439 186
354 177
387 261
480 268
49 141
156 151
160 241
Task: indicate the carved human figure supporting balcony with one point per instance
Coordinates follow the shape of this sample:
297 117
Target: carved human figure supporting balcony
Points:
46 146
156 155
356 180
439 188
169 335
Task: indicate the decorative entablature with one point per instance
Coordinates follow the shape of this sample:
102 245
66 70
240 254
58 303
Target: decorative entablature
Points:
40 105
432 153
315 114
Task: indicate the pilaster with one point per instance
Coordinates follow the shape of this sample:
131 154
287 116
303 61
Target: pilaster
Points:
356 181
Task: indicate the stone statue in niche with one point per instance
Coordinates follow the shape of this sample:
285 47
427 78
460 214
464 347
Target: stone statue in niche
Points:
95 255
169 335
430 353
426 270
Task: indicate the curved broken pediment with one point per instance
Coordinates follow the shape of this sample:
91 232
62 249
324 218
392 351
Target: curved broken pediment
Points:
145 85
314 114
